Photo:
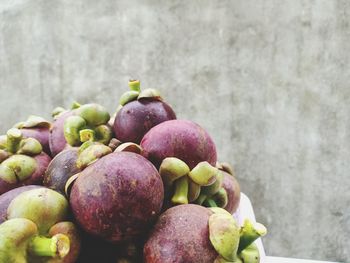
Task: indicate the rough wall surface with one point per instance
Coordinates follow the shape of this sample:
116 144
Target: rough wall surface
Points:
268 79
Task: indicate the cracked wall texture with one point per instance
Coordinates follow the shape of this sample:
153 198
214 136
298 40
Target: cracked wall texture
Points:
268 79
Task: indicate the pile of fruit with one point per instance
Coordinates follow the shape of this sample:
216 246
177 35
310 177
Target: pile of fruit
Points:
141 186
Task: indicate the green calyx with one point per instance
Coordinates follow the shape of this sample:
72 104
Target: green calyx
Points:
33 122
43 206
88 124
224 235
203 174
17 168
16 163
249 233
128 96
75 105
91 152
172 169
215 187
201 185
72 127
30 146
19 241
93 114
135 93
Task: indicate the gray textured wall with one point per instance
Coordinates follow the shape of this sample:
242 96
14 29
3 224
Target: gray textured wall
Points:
268 79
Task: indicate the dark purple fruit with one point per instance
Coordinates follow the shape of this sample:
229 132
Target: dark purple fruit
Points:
136 118
117 197
182 139
181 234
60 169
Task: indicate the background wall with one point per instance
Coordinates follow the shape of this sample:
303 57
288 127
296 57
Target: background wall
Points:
268 79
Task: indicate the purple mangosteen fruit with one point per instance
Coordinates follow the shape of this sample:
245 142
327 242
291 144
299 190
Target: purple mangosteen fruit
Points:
181 235
66 166
182 139
138 112
22 161
38 128
88 122
61 168
192 233
117 197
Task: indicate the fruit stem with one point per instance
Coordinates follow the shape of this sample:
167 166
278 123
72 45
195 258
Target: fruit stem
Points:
14 137
201 198
249 233
210 203
181 191
134 85
58 245
87 135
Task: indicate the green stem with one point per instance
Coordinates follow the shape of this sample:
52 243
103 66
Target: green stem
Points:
50 247
134 85
249 233
14 137
210 203
87 135
201 198
181 191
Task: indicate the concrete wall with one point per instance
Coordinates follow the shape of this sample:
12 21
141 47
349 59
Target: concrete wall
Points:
268 79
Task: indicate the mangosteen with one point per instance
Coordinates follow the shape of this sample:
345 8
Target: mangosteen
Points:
138 112
182 139
192 233
38 128
117 197
88 122
65 166
22 161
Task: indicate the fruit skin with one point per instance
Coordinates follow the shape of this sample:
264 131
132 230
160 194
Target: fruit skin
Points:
57 141
181 234
6 198
42 161
137 117
230 184
39 133
117 197
183 139
60 169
